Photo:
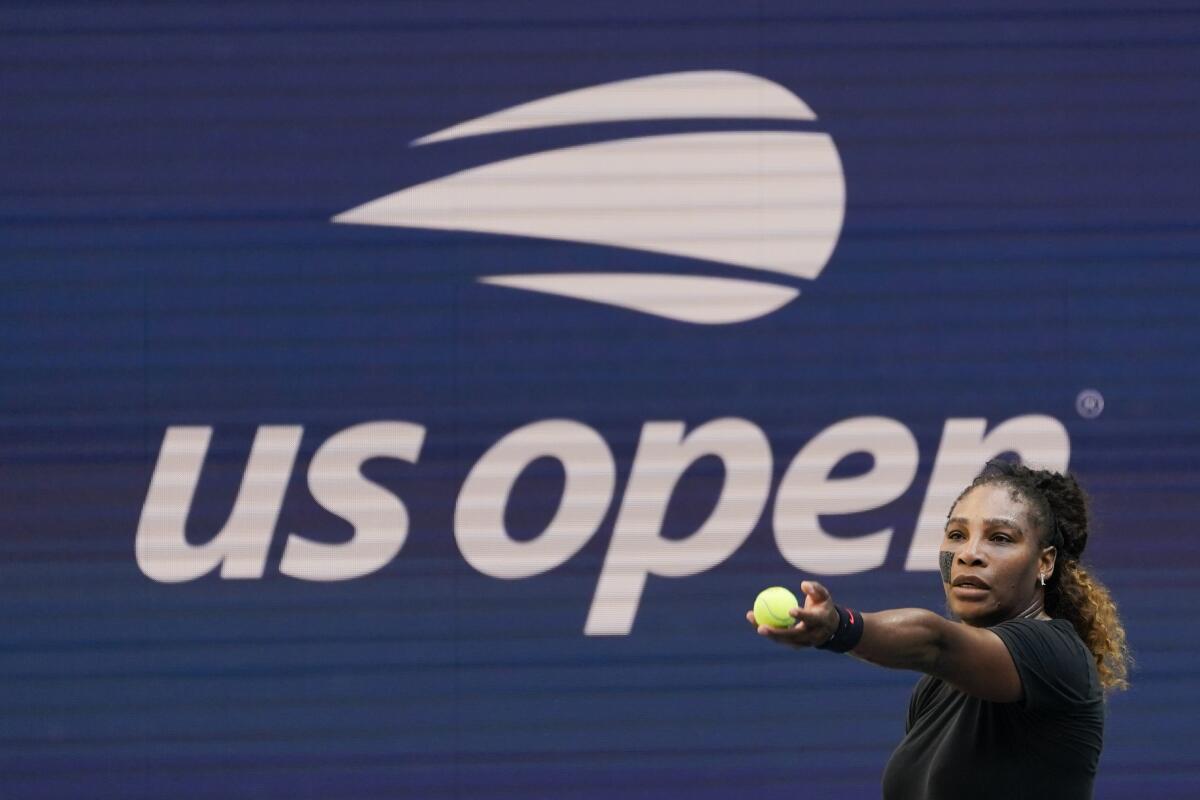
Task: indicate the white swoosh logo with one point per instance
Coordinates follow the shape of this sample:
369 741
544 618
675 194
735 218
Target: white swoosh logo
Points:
687 298
677 95
762 200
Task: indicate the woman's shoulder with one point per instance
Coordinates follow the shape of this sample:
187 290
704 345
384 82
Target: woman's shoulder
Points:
1055 633
1054 663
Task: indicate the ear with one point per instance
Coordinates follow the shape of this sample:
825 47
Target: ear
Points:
1047 560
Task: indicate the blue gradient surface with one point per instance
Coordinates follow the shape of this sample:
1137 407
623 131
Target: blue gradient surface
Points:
1020 226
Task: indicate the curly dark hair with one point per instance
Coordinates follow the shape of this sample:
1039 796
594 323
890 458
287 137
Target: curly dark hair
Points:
1060 510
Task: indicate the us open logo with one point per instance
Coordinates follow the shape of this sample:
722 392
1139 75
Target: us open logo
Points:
766 203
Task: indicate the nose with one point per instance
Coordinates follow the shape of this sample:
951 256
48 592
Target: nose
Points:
970 553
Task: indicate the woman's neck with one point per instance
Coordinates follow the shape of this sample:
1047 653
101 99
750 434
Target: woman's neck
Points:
1035 610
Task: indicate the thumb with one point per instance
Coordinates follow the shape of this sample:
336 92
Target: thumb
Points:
815 591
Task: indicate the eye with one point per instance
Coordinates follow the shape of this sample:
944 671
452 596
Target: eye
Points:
954 535
1001 537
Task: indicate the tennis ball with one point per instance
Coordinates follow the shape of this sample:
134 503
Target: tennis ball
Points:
772 605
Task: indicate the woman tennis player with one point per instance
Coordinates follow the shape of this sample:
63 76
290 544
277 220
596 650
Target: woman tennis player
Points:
1012 701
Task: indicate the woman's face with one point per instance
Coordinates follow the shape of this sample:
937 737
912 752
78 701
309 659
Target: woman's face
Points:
991 557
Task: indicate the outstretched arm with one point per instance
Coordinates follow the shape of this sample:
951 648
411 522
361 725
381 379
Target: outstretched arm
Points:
974 660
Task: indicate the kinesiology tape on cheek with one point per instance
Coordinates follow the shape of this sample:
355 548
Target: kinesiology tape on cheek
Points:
945 557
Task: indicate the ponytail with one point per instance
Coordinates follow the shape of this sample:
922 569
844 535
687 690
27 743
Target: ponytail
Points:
1086 603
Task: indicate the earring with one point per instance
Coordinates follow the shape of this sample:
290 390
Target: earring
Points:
1042 578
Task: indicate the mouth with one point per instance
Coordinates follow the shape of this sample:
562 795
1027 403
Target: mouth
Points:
970 586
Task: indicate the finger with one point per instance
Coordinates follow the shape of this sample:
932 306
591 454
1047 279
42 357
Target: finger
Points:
812 617
780 633
750 616
798 636
816 591
774 630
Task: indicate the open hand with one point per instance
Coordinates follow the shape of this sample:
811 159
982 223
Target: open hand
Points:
815 623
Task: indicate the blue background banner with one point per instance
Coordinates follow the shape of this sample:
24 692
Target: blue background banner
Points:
1019 244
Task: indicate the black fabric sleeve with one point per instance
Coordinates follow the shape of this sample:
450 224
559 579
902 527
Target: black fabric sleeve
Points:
1052 661
912 708
918 700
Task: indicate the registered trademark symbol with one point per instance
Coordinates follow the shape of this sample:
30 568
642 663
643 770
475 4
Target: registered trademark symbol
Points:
1089 403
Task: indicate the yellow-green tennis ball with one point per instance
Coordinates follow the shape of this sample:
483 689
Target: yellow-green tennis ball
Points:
772 605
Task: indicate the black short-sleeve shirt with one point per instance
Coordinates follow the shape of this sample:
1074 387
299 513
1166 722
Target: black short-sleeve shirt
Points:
1046 745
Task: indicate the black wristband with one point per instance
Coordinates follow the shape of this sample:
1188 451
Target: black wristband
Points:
849 631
